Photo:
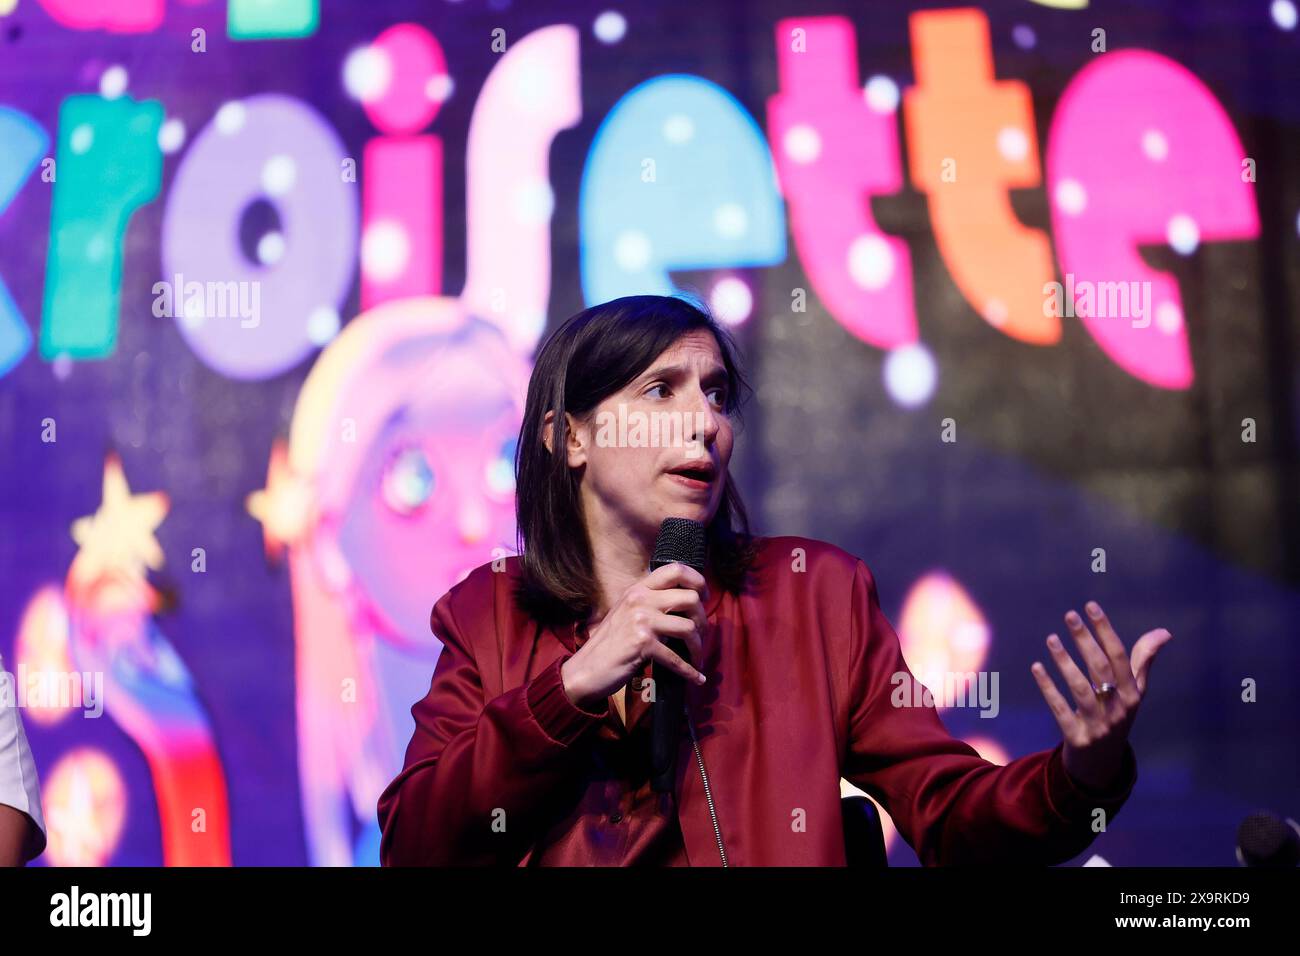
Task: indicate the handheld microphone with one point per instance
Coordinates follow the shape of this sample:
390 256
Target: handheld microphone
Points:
683 541
1266 840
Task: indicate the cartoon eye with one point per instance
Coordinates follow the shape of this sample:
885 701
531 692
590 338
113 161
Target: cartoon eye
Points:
500 474
408 481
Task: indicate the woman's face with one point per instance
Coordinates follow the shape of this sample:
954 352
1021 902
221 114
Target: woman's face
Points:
659 447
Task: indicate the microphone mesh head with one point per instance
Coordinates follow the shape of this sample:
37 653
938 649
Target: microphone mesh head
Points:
1266 840
681 540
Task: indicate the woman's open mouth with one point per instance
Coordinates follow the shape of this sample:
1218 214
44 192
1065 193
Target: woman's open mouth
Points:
695 477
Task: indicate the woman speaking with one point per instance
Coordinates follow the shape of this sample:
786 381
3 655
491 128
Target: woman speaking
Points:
533 745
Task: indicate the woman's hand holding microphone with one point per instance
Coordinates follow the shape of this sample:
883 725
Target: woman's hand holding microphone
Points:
634 631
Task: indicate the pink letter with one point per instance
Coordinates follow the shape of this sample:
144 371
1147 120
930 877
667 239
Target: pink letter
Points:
833 152
401 247
1140 152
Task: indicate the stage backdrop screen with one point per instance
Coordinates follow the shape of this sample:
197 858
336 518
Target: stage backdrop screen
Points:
1015 285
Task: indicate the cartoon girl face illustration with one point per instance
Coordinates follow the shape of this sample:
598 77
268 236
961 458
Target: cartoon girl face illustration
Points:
434 495
399 481
398 475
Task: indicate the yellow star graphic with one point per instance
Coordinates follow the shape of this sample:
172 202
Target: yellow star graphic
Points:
284 506
119 537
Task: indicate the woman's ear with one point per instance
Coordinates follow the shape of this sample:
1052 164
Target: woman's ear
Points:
548 426
577 450
577 443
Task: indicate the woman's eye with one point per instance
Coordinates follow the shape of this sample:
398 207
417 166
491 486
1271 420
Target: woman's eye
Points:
501 469
408 481
721 396
654 388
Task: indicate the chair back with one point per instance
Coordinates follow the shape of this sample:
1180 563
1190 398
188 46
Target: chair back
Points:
864 837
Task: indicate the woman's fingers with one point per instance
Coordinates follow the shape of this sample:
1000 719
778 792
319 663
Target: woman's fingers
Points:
1115 651
679 599
1060 708
674 625
1144 652
683 601
665 655
675 575
1094 658
684 628
1080 687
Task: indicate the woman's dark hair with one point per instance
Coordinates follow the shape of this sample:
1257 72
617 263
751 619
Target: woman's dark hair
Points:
588 358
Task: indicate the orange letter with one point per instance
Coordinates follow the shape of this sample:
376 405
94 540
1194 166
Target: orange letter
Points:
971 139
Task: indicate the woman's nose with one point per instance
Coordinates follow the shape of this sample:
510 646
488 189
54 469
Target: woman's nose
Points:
704 422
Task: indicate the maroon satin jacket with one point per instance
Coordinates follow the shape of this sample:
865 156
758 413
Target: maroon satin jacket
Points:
799 669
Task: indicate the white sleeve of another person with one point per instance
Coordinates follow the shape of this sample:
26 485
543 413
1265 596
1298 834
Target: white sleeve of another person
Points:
19 786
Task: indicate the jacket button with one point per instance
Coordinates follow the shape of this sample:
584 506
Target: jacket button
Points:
637 683
615 817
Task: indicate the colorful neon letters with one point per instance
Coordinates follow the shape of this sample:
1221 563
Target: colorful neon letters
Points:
678 177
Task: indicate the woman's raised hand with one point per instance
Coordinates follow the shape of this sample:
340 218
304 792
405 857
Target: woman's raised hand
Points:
1096 733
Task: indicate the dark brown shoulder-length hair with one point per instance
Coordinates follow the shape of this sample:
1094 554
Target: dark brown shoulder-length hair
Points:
588 358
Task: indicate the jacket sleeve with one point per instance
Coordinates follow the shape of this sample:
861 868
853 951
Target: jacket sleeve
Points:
19 785
951 805
478 773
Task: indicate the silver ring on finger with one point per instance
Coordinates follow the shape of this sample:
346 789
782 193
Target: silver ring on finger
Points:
1104 692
